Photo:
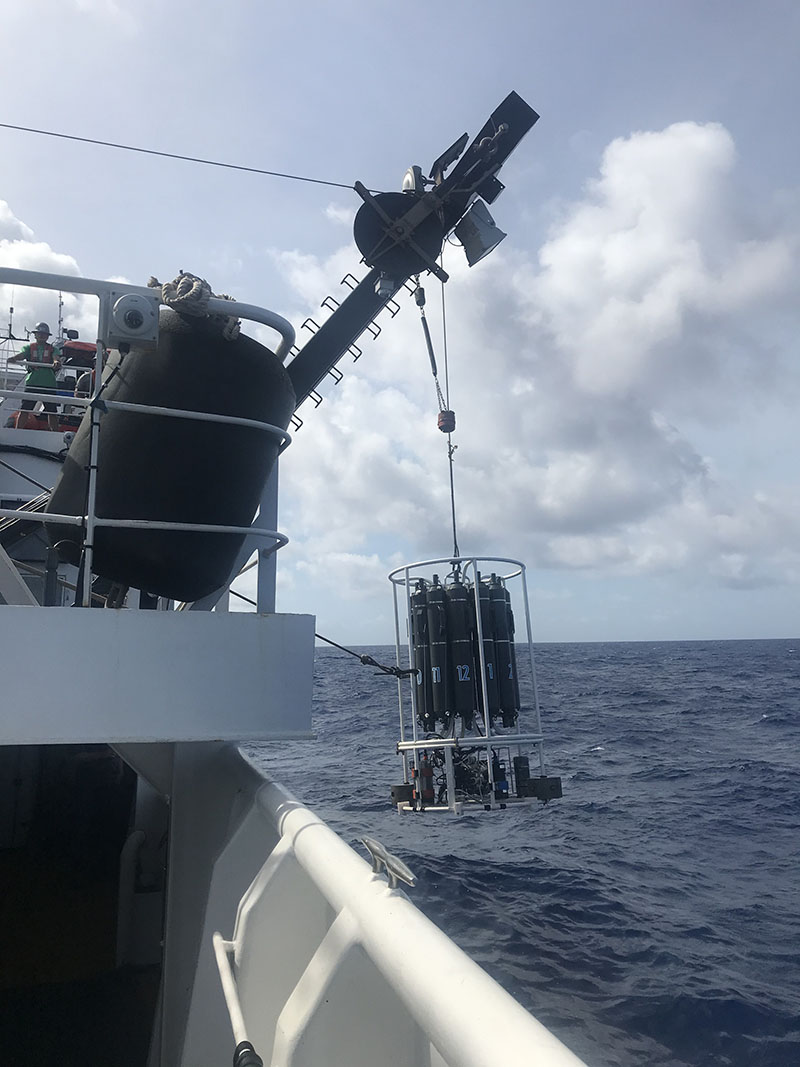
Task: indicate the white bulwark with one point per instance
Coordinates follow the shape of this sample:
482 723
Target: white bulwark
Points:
112 676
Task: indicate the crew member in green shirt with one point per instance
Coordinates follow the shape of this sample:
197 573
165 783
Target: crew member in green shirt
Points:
40 358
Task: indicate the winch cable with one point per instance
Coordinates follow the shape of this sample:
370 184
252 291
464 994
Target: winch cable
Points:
447 419
46 488
241 596
368 661
175 155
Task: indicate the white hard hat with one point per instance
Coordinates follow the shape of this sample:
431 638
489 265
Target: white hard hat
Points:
41 327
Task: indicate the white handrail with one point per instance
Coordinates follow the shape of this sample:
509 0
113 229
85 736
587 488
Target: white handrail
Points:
96 287
201 416
498 740
482 1025
52 397
222 949
452 560
144 524
154 409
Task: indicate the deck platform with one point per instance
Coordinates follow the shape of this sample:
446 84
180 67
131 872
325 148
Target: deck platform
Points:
75 675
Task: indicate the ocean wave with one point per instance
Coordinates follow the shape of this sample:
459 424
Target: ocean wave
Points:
649 917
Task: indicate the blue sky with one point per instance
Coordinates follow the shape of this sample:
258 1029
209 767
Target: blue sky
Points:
623 366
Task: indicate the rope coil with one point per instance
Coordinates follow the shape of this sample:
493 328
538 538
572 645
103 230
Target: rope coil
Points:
189 294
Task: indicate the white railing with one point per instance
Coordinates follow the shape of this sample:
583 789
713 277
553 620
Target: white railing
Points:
67 283
325 967
11 377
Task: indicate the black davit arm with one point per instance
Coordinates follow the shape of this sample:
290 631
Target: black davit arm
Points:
336 334
401 234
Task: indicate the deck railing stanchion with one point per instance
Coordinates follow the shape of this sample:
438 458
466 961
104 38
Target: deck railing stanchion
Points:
414 709
536 709
91 496
267 562
450 778
403 756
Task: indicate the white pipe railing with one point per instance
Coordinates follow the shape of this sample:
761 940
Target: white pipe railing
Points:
222 950
466 743
144 524
154 409
96 287
481 1025
49 398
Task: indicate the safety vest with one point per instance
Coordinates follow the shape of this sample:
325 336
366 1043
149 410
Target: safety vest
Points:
36 355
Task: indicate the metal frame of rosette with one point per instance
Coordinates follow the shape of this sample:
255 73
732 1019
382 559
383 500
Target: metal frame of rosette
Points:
411 744
112 297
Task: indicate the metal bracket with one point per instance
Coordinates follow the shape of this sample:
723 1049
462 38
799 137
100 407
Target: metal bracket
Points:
128 318
382 859
310 325
349 280
330 302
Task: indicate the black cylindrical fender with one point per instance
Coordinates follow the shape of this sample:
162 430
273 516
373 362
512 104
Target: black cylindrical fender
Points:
174 470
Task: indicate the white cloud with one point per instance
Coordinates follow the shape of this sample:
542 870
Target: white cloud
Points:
119 15
579 379
19 249
341 214
657 252
11 228
72 18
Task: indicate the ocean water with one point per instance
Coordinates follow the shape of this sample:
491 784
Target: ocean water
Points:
651 916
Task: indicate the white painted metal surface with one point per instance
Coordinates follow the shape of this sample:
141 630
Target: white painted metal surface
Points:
116 675
325 966
112 290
